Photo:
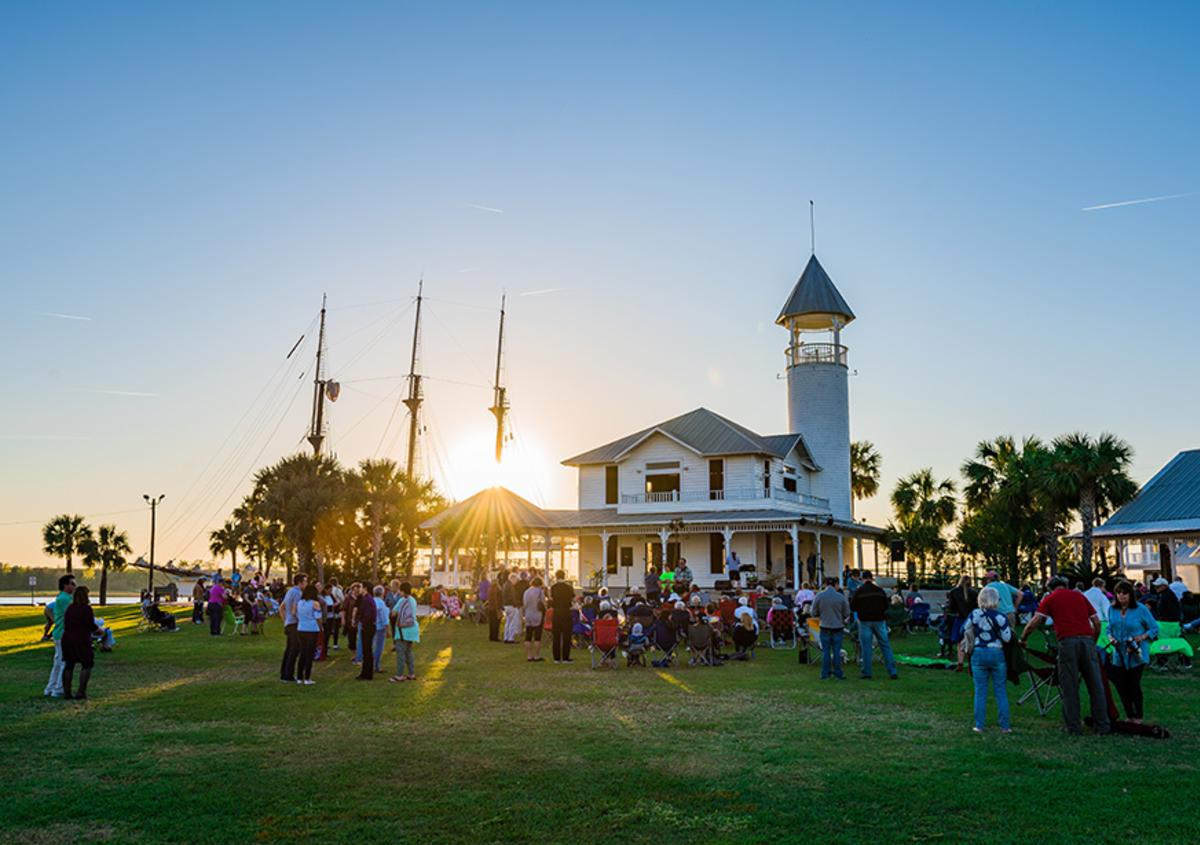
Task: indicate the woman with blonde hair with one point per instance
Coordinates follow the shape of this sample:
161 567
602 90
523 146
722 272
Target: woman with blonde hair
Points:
985 632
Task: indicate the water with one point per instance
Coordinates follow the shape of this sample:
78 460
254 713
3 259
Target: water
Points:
9 601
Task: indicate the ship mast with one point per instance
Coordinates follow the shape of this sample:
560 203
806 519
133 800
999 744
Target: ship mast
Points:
413 402
499 407
316 430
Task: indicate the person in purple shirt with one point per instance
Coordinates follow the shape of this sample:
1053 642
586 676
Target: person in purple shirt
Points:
366 618
216 607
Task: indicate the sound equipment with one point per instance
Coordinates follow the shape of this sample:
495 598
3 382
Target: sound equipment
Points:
897 550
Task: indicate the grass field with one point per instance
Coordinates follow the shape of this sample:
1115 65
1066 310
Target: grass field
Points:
187 738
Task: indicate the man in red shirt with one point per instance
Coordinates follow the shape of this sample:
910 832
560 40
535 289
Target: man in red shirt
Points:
1076 627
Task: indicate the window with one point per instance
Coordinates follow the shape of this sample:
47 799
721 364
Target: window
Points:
767 478
611 562
652 466
789 479
610 485
654 555
716 479
716 554
662 481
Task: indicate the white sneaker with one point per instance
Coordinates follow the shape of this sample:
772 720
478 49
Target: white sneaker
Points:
309 682
298 681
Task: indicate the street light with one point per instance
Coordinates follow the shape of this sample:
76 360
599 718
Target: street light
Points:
153 502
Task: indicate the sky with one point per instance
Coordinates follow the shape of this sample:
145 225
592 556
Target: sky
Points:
183 182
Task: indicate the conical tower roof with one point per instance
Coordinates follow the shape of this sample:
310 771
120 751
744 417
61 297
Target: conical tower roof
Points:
815 300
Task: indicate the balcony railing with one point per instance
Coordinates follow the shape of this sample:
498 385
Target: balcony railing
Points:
816 353
745 494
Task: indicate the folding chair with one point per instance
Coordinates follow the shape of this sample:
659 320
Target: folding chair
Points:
666 641
700 645
781 628
918 619
1042 673
605 643
1170 652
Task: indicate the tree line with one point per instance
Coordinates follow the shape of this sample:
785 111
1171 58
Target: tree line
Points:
1018 500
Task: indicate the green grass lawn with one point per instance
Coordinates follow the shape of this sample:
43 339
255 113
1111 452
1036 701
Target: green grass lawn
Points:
187 738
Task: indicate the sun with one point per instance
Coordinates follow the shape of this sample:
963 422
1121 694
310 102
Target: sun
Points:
471 466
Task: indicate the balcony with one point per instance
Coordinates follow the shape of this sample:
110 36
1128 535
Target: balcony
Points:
742 495
816 353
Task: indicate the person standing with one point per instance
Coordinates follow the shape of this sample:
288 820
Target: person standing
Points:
287 612
1009 595
534 606
495 605
512 612
382 614
199 596
833 611
562 597
870 602
959 603
1098 598
79 623
733 568
989 630
350 618
307 610
1131 627
652 585
366 620
1076 625
408 634
66 589
216 607
332 614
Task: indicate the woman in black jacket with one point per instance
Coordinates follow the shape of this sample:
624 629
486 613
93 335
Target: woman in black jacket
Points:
79 623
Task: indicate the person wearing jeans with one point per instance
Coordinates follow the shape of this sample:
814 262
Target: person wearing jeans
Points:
306 630
366 624
199 592
987 630
287 611
833 611
216 607
379 635
870 603
1076 625
66 590
408 634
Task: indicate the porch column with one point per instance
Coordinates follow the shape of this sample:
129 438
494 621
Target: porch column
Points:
820 560
875 549
528 551
432 554
727 533
664 535
603 558
455 581
858 550
795 532
841 562
547 541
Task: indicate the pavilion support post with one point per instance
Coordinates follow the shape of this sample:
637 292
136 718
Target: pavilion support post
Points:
528 551
433 550
547 539
858 552
454 577
795 532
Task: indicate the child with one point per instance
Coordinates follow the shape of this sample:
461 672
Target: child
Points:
635 648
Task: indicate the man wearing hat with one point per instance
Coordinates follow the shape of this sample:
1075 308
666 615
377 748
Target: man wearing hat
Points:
1166 605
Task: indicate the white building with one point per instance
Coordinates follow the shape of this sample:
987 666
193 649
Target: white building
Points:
700 486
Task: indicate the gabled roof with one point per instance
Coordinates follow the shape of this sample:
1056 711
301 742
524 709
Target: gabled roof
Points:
1171 498
494 509
705 433
815 294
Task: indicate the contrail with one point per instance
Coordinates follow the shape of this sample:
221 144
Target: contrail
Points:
1138 202
539 292
66 316
488 208
121 392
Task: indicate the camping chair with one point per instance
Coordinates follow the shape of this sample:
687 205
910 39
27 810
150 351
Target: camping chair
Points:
1170 652
664 638
605 643
726 609
144 623
781 628
1041 667
700 645
814 631
897 617
918 618
762 609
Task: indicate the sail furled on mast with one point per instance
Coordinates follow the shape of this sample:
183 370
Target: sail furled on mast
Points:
316 428
415 396
499 407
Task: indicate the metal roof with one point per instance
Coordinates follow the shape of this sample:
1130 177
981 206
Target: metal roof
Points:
494 506
705 433
1171 497
815 293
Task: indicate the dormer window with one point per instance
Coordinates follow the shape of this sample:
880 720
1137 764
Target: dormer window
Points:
789 479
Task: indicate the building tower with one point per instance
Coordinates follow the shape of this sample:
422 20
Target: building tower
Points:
818 389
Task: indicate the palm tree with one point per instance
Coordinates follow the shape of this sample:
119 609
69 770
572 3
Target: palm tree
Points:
1092 472
864 470
1001 479
106 550
924 507
382 486
227 540
62 536
296 492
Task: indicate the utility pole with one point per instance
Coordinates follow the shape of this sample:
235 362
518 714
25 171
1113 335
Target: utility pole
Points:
316 433
153 502
499 396
413 402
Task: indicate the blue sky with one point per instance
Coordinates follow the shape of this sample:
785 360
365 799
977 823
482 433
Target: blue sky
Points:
193 178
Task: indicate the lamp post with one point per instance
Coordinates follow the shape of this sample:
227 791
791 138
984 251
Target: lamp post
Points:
153 502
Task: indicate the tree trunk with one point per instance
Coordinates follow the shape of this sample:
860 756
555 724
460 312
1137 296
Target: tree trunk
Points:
1087 516
1049 553
69 571
376 539
320 567
103 583
233 558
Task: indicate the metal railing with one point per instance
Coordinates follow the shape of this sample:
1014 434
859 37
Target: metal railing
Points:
816 353
744 494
